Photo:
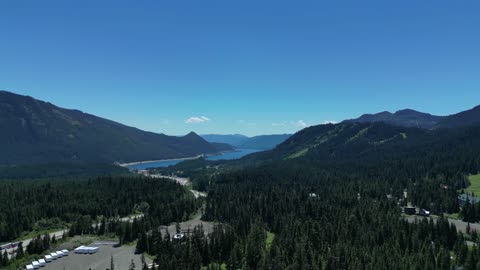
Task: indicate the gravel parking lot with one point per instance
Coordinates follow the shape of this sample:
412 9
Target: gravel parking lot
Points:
122 257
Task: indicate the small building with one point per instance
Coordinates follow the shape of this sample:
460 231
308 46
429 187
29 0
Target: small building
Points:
410 210
463 199
178 236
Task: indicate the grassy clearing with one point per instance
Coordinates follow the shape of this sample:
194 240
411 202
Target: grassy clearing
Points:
222 266
359 134
269 241
298 154
474 185
455 216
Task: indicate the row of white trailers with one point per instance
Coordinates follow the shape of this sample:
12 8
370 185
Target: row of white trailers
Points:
48 258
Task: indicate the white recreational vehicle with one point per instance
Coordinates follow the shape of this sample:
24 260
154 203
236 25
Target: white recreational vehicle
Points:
54 255
36 265
48 258
42 262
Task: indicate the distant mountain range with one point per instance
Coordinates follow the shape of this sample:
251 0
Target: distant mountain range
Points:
262 142
411 118
33 131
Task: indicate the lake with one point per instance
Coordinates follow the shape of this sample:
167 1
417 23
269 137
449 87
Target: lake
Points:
239 153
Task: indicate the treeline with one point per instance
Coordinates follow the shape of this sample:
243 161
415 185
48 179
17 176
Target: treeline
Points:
23 203
60 170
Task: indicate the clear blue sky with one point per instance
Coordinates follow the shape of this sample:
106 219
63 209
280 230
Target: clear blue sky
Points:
251 67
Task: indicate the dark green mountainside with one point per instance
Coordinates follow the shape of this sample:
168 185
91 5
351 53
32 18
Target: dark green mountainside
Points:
462 119
34 131
375 143
264 142
232 139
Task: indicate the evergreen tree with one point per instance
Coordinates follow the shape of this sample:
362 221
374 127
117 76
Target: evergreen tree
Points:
132 265
20 252
112 264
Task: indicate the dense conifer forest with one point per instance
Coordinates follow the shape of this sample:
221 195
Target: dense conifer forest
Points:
29 202
337 205
330 197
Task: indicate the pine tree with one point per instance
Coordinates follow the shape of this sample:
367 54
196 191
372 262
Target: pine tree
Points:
5 259
20 252
144 263
112 264
132 265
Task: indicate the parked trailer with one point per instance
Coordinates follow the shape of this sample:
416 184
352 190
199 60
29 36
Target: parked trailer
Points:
65 252
85 250
59 254
29 267
93 250
48 258
54 255
42 262
79 249
36 265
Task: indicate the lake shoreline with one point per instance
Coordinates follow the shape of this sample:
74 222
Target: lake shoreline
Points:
224 155
158 160
126 165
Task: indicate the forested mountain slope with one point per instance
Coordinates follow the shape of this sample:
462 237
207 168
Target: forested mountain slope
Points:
462 119
34 131
231 139
264 142
358 142
332 195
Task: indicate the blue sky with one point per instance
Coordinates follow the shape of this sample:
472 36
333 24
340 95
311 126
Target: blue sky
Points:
250 67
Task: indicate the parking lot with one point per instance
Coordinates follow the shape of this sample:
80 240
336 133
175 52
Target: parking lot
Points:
122 257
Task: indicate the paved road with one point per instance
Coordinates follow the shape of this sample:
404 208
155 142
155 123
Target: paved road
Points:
190 225
461 226
179 180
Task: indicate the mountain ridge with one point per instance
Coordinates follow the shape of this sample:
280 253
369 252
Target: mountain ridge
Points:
413 118
260 142
405 117
35 131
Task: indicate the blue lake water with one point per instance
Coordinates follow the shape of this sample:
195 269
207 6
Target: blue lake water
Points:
225 156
